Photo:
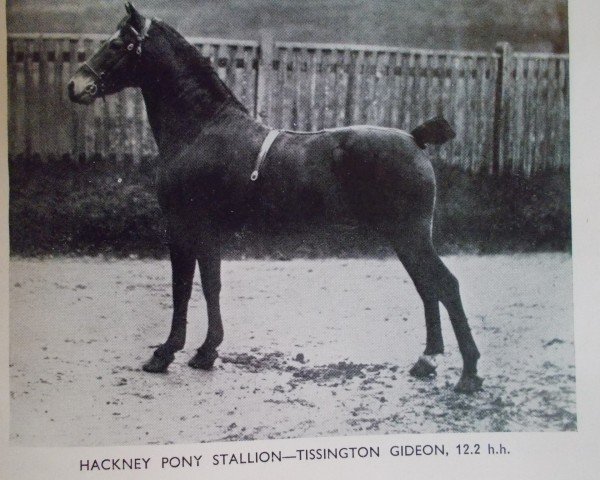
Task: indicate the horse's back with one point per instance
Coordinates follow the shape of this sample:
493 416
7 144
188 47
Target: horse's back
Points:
376 150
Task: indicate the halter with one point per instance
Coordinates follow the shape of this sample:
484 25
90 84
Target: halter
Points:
100 82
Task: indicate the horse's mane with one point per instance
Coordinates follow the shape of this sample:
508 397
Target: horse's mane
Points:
198 69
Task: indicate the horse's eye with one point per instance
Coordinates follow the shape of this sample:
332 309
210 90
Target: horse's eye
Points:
115 45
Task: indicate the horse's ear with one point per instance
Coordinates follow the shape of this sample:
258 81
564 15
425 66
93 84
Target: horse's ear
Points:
136 18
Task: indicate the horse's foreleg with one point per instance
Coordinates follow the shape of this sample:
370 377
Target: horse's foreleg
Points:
210 273
183 265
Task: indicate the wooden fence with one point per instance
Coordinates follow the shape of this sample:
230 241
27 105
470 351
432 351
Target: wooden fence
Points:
510 110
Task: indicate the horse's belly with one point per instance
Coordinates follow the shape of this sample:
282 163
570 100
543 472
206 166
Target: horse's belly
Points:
304 192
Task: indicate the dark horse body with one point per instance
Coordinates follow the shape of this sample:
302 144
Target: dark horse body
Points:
208 146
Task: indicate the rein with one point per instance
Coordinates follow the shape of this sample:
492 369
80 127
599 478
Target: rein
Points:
100 78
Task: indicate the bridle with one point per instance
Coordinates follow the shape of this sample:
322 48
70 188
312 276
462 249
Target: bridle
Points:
100 78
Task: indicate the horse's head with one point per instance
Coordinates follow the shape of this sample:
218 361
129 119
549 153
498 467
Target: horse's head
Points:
115 65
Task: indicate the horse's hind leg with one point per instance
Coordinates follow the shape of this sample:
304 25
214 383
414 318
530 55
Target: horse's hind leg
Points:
210 273
421 275
183 264
435 283
449 294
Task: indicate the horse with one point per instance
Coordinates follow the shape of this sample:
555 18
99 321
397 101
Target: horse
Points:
219 167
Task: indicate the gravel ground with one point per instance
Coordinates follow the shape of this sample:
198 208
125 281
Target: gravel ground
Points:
312 348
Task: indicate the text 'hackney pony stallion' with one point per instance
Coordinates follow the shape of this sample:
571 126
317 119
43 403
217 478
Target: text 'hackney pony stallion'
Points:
219 167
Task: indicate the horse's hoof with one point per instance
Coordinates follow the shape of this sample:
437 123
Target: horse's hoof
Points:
469 383
203 360
158 363
424 367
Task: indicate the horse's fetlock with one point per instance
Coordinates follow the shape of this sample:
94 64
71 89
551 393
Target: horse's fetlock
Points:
164 351
435 350
471 354
204 359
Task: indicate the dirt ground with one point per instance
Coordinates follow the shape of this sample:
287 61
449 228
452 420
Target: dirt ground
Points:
312 348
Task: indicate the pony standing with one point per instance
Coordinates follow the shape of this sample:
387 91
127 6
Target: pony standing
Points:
219 168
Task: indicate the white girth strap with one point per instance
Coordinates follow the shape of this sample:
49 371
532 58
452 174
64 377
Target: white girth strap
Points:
264 151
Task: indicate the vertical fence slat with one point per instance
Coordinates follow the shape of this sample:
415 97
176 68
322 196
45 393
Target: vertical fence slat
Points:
545 114
360 113
76 138
514 122
523 154
395 80
312 60
61 134
403 110
456 117
389 98
480 115
381 100
284 78
297 110
248 77
351 60
518 114
542 115
325 116
29 109
553 111
87 114
530 118
430 65
565 121
13 100
44 119
467 140
502 105
265 73
442 107
338 86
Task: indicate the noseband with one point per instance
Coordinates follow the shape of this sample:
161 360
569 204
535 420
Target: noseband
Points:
100 78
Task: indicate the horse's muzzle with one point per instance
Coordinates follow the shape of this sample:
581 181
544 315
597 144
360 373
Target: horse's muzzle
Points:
82 89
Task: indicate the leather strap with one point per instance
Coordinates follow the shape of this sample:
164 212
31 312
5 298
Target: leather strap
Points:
264 151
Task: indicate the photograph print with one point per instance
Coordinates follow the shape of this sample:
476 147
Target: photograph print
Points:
274 219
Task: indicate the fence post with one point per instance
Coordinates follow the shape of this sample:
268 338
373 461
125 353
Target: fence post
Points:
502 103
262 104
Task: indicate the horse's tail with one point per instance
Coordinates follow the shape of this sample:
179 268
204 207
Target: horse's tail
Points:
435 131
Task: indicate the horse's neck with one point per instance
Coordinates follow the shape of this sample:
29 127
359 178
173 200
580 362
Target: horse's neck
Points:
174 120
